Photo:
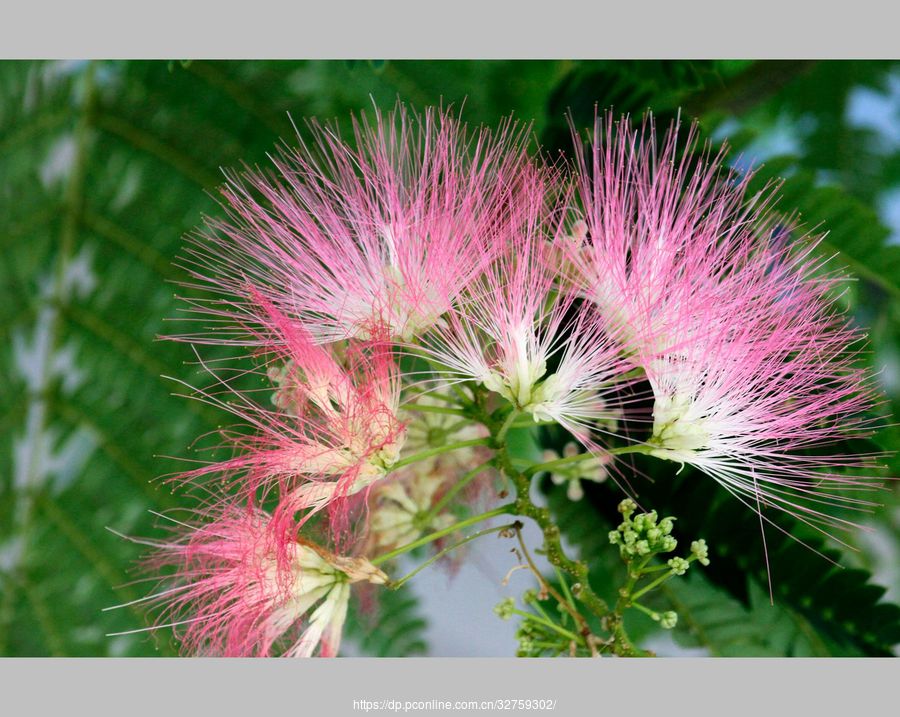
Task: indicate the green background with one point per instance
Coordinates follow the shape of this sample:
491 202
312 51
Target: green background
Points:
105 166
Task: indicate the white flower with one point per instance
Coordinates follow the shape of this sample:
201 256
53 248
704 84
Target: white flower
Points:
401 509
322 580
590 469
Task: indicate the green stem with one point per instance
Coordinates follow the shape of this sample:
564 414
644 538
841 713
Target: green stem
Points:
463 398
637 448
558 463
433 395
615 621
565 587
499 423
424 408
641 565
430 538
395 584
652 614
572 611
454 427
553 550
446 448
546 645
569 460
529 422
647 588
501 434
654 569
546 623
536 605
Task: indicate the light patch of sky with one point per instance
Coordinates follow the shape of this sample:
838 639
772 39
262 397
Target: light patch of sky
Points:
39 454
663 643
888 358
128 187
59 162
785 137
873 109
44 76
11 553
885 554
120 645
62 461
889 211
879 111
459 607
78 280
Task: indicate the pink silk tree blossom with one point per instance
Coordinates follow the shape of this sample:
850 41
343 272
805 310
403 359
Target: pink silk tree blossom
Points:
513 324
333 431
237 588
752 365
376 236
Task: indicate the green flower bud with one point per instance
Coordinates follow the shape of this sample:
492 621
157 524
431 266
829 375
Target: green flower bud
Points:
614 537
642 547
666 525
679 566
526 631
700 551
667 544
504 608
627 507
668 620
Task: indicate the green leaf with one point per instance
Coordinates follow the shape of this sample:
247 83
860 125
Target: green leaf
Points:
392 627
853 230
709 617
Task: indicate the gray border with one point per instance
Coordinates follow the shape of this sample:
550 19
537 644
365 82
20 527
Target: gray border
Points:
581 688
488 29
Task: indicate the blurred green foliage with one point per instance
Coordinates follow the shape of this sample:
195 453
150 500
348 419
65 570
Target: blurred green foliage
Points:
104 167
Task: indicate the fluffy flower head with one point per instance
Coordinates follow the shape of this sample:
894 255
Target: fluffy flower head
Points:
334 428
239 589
517 334
375 236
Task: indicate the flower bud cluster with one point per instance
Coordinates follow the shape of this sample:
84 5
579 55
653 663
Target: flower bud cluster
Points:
644 534
640 537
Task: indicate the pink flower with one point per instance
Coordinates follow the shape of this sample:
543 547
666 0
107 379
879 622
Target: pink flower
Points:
334 429
752 366
239 589
521 336
758 395
375 238
659 226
